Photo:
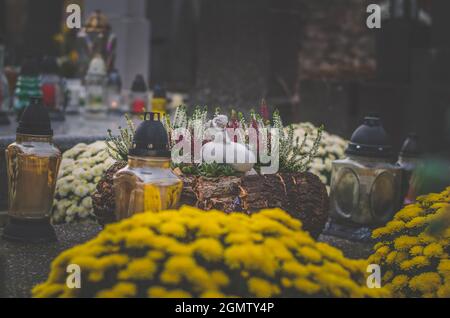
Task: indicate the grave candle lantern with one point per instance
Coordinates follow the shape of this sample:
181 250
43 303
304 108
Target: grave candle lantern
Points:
52 88
365 186
113 91
28 85
159 100
147 183
95 83
32 163
138 95
74 95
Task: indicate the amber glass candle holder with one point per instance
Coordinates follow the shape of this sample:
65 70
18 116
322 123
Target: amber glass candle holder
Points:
32 166
147 183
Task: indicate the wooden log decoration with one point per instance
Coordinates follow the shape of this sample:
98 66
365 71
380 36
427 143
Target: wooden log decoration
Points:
302 195
103 198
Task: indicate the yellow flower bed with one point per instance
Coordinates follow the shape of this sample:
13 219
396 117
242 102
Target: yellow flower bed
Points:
413 248
193 253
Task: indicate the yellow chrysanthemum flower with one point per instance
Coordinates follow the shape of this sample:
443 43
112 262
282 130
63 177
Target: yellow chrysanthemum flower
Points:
120 290
405 242
418 252
193 253
425 283
262 288
433 250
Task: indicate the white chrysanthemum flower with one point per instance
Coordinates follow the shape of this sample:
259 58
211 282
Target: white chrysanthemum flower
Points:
68 179
67 163
81 169
321 151
340 152
85 155
77 172
86 204
323 178
87 175
75 151
97 171
97 147
81 191
63 204
64 190
100 157
327 163
91 186
84 161
84 213
71 210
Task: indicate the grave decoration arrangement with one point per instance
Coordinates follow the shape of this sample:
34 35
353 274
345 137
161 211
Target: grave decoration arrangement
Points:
413 249
193 253
81 168
226 187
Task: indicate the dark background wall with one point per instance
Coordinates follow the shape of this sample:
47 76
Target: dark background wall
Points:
314 60
28 26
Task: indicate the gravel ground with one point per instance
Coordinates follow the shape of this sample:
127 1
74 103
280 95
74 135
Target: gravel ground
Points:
22 266
351 249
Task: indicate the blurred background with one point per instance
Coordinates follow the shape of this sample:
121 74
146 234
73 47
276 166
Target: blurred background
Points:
314 60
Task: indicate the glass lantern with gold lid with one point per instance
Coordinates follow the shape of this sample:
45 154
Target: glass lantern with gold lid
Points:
32 164
366 185
147 183
52 88
159 100
139 96
95 83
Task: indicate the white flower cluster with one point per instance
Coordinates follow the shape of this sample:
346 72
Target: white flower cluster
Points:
81 169
331 147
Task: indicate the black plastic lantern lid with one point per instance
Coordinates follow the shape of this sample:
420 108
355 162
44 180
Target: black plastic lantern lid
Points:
411 147
159 92
370 140
139 84
150 138
35 119
114 78
29 67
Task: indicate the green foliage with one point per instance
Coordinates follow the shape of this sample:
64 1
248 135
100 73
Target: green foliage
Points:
118 146
210 170
292 156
